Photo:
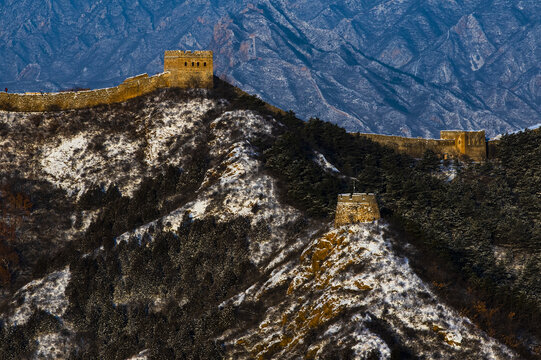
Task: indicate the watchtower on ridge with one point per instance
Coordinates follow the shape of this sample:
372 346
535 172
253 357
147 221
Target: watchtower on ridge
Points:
473 144
189 68
356 208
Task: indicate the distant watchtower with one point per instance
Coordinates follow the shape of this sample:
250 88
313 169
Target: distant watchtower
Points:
356 208
470 143
189 69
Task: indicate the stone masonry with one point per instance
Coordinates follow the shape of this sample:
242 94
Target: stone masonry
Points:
356 208
452 144
183 69
189 69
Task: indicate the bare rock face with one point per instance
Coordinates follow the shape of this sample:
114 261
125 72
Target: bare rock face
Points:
405 68
330 312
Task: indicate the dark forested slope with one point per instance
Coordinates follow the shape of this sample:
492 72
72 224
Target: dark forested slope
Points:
180 214
483 226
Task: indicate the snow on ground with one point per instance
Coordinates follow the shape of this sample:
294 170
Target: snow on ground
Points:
53 346
69 161
247 124
172 122
365 341
73 164
141 356
345 281
197 208
47 294
448 173
533 127
324 163
236 186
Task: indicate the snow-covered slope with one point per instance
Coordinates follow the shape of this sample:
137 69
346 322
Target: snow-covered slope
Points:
236 185
320 291
76 159
47 294
349 291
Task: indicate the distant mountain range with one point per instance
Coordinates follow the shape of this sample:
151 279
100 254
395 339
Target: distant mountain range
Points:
409 67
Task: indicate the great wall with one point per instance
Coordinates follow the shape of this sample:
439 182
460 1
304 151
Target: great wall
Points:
451 144
181 69
187 69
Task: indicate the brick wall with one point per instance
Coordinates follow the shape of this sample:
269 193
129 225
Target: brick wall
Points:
189 69
453 144
179 72
356 208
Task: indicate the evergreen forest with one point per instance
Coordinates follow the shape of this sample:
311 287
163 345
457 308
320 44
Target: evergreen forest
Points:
459 229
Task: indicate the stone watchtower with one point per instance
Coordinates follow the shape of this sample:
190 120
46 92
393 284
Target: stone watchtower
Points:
189 69
473 144
356 208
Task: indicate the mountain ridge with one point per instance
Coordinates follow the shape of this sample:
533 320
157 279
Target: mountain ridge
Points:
181 195
410 68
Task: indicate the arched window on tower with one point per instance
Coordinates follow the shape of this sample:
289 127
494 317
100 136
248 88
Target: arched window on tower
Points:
198 63
192 63
185 63
204 64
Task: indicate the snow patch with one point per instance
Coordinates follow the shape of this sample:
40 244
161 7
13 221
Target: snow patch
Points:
236 186
47 294
60 162
533 127
448 173
143 355
174 121
367 342
78 162
53 346
197 209
325 165
346 270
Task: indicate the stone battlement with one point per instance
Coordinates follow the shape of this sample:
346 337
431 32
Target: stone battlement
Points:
188 68
356 197
183 69
197 53
452 144
356 208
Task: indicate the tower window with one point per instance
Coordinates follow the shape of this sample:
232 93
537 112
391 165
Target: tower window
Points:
204 64
198 63
192 63
185 63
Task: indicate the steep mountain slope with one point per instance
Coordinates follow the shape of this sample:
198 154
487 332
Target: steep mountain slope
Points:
179 239
348 294
409 67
